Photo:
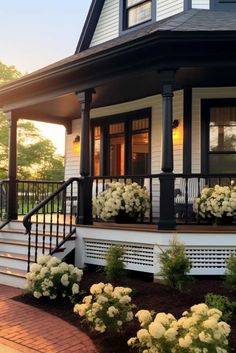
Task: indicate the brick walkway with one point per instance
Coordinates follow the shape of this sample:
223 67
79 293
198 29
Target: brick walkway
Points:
25 329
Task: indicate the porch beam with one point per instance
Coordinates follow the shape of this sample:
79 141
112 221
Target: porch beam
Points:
12 168
167 182
84 212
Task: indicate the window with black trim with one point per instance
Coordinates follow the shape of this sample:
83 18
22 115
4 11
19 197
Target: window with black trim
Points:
223 4
121 144
222 140
137 12
219 136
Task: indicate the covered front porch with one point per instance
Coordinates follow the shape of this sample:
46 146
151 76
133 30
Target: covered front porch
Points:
161 79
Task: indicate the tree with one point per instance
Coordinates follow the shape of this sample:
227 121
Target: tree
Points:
36 155
8 73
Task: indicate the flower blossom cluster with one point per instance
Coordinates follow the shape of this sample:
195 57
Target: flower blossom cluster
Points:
197 331
50 277
106 308
217 202
130 198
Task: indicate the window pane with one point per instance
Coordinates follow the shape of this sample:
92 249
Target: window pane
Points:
140 124
97 151
116 128
140 153
222 163
116 155
133 2
139 14
223 129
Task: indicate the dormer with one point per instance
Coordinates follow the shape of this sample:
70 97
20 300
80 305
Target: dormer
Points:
110 19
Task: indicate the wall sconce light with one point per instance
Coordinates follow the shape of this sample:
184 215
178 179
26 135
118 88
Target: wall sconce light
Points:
176 131
175 124
76 144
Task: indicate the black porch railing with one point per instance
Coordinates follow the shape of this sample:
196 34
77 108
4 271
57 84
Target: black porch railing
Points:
187 188
151 182
30 193
54 218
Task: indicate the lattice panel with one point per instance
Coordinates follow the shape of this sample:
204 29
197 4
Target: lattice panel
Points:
209 260
137 257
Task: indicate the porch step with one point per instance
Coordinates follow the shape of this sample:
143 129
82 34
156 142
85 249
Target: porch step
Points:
14 260
12 277
14 249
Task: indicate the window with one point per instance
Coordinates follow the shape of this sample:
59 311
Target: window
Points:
137 12
218 136
223 4
222 140
121 145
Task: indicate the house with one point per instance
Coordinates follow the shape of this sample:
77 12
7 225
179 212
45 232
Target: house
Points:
139 66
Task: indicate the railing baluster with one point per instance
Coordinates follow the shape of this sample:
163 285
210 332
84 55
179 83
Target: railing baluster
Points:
44 229
71 205
36 237
151 200
58 220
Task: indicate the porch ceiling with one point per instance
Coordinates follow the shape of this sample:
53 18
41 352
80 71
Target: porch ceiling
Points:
65 108
56 110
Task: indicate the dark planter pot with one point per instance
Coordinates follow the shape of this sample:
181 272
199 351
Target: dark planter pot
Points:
225 220
124 217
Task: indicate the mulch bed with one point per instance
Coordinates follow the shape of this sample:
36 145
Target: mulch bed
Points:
148 295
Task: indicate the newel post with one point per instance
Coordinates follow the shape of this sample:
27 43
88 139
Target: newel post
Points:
84 213
12 168
167 182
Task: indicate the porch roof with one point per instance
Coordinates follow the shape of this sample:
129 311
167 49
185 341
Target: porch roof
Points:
98 65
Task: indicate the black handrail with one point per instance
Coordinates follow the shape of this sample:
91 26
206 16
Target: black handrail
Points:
60 206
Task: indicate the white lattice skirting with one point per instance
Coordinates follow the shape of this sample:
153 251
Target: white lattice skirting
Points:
207 252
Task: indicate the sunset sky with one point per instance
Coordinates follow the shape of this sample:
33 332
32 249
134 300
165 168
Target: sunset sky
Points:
37 33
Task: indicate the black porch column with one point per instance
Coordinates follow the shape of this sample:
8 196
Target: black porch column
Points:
84 215
167 184
12 168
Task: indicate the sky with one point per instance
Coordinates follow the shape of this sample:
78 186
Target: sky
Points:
36 33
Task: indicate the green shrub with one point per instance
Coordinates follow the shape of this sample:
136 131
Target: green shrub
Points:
174 265
231 272
222 303
115 267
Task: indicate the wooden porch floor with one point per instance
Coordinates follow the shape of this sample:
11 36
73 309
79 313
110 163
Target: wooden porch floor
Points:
152 228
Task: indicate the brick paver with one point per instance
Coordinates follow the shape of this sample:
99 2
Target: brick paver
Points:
29 330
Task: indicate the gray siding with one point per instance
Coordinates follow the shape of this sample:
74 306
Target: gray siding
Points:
167 8
108 24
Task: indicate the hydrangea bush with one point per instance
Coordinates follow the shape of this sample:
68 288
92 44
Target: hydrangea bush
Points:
197 331
50 277
107 308
130 198
216 202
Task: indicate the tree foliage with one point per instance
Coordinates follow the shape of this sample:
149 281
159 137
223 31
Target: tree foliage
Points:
36 155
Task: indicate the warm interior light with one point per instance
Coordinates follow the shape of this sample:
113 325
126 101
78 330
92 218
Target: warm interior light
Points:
76 144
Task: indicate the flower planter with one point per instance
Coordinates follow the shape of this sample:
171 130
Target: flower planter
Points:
124 217
224 220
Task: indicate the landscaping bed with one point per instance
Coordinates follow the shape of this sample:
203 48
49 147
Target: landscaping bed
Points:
147 295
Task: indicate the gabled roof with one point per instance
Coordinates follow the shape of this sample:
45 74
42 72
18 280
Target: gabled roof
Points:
90 25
